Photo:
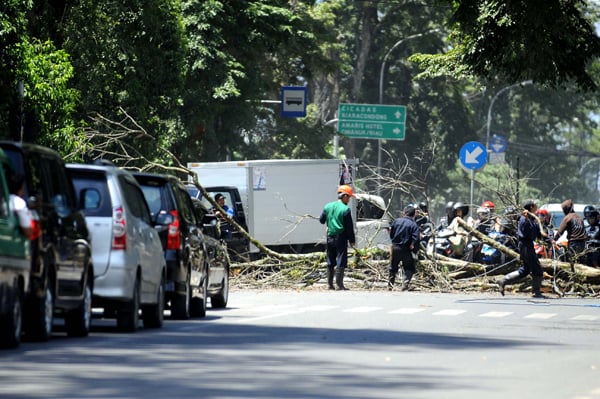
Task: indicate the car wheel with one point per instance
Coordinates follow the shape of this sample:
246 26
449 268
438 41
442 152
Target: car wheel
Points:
11 321
180 304
220 300
41 314
198 303
78 321
128 317
153 315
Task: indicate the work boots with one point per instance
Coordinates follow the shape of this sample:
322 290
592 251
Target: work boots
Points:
406 280
536 287
330 273
508 279
391 281
339 280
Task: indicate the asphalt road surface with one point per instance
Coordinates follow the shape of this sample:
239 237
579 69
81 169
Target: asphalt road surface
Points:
329 344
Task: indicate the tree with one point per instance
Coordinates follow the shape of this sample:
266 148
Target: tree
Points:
552 42
129 56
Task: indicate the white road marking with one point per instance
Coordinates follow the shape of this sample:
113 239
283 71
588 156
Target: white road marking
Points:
449 312
585 317
319 308
407 311
496 314
362 309
543 316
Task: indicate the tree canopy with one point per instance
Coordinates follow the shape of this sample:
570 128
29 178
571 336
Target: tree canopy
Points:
202 78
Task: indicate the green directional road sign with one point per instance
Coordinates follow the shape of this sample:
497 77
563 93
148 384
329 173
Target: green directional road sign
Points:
372 121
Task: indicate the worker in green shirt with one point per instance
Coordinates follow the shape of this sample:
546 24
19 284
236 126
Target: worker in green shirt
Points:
340 230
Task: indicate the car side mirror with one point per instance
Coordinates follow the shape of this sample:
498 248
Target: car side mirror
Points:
164 218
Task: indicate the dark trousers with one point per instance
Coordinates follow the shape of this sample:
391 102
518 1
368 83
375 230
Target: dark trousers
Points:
404 255
575 250
531 263
337 252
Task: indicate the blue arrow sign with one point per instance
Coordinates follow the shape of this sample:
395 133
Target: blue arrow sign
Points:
473 155
497 144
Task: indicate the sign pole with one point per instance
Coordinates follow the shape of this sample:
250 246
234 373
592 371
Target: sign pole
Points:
472 189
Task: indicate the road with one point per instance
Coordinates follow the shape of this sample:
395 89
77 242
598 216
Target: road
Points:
329 344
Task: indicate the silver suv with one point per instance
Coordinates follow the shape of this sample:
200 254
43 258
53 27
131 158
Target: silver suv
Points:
130 268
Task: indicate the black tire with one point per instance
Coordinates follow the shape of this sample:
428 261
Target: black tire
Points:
219 301
180 304
198 303
153 315
39 316
78 321
128 317
11 322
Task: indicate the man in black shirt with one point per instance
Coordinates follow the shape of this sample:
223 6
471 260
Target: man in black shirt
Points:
574 225
404 233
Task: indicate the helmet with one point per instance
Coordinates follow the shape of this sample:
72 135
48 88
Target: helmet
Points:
449 206
590 211
423 206
483 211
462 207
345 189
488 204
542 212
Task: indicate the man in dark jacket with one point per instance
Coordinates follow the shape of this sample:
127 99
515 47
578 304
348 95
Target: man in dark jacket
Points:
404 233
340 231
528 231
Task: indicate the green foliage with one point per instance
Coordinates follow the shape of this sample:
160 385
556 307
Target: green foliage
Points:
130 56
200 78
550 41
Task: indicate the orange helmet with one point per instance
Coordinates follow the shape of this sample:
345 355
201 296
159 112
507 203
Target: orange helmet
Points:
488 204
345 189
542 212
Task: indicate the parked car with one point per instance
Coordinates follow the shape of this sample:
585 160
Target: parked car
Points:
196 268
15 264
182 243
61 276
218 255
130 269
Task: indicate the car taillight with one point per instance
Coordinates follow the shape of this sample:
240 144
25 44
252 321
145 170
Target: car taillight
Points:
119 236
173 235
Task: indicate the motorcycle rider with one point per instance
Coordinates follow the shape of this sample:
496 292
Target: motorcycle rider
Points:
450 214
593 233
484 223
545 217
460 239
575 227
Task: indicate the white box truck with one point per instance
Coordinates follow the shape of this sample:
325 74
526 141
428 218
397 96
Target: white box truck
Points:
282 199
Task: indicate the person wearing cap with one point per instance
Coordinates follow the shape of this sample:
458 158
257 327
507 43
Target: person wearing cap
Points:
404 233
337 217
226 232
528 230
574 225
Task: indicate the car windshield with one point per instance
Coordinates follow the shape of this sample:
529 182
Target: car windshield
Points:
194 192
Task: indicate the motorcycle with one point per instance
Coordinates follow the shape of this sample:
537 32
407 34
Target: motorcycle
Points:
447 243
491 255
